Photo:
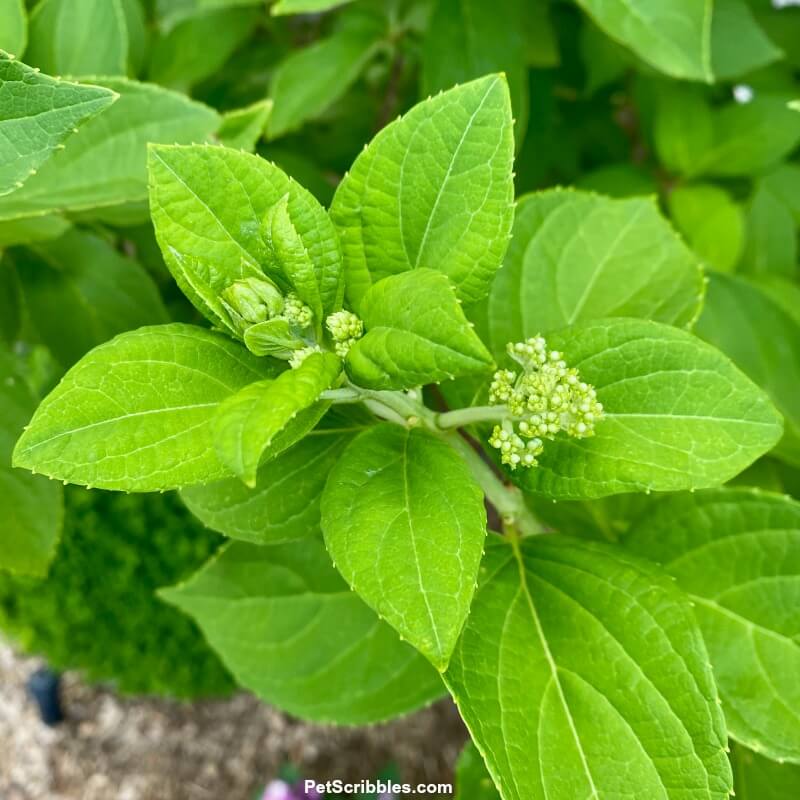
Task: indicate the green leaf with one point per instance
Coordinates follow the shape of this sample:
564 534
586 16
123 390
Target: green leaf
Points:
673 37
136 412
79 37
758 778
208 205
416 334
293 257
577 256
242 128
291 631
473 782
470 38
619 180
10 302
172 12
116 140
79 292
433 189
38 114
284 504
678 414
31 508
763 340
738 44
712 222
138 35
13 26
274 337
312 79
246 424
28 230
605 60
750 137
305 6
683 127
736 553
773 218
735 139
581 673
409 544
174 58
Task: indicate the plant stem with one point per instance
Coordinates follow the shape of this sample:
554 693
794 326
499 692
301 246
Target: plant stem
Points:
468 416
344 395
508 500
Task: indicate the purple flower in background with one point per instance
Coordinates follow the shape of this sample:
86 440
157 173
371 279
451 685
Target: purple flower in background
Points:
278 790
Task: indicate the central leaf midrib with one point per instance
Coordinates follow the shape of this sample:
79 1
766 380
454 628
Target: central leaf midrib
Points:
551 663
407 504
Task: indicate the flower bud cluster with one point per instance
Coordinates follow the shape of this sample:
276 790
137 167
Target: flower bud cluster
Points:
345 327
299 356
296 312
545 398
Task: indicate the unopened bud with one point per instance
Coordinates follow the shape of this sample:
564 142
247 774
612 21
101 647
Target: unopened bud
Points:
252 300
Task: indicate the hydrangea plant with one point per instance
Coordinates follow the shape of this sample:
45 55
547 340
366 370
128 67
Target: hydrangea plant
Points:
368 387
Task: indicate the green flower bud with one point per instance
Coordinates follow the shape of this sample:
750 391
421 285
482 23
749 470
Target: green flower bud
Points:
345 327
546 399
297 313
252 300
299 356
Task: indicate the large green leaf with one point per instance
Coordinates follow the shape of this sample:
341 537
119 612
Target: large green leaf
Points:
135 413
284 504
208 205
678 414
582 673
37 114
736 553
470 38
763 339
246 424
79 37
79 292
674 36
106 164
416 334
31 508
13 26
578 256
405 523
433 189
758 778
290 630
738 43
313 78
